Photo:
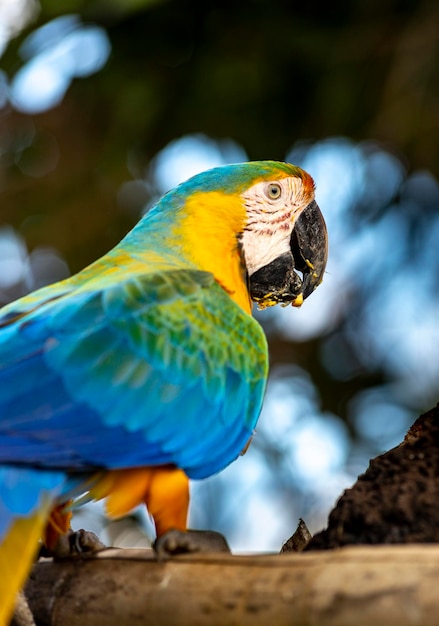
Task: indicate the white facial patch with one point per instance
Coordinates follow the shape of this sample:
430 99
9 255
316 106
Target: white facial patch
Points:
270 219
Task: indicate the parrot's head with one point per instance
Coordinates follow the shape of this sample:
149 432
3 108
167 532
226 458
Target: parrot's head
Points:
284 242
260 215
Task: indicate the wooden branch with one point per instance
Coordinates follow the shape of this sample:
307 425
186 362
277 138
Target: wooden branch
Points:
355 585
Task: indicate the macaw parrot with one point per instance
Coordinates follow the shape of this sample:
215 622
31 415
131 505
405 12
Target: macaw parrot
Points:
147 369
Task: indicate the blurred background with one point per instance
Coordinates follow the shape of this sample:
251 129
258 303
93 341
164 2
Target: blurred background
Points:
106 104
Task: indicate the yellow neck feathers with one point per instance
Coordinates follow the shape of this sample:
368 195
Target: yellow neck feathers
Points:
209 232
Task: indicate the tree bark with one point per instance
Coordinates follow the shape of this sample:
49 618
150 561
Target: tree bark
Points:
396 500
395 585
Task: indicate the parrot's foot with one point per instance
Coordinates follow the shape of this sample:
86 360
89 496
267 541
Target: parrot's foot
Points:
176 542
76 543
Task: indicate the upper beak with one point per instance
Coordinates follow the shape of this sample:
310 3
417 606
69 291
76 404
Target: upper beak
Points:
309 246
294 275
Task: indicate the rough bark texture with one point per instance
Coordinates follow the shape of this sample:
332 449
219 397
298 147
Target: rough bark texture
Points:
392 585
396 499
299 540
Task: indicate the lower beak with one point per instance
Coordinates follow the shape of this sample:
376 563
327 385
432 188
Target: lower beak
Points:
294 275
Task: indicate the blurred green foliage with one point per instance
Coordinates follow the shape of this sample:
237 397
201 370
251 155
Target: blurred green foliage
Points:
265 74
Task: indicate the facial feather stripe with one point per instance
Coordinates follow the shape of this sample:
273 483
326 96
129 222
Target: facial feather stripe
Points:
270 220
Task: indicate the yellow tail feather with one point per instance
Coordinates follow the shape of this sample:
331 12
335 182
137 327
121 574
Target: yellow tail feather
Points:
17 552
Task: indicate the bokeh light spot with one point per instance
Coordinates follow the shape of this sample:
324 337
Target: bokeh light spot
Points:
58 52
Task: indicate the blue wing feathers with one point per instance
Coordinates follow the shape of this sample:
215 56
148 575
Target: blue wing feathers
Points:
21 491
201 467
111 379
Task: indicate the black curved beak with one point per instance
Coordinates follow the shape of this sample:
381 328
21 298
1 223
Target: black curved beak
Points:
294 275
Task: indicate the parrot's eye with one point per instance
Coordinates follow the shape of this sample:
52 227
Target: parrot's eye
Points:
273 191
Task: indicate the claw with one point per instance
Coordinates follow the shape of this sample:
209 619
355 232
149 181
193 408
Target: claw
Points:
176 542
76 544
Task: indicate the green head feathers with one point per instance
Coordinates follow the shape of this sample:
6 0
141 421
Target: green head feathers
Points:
237 177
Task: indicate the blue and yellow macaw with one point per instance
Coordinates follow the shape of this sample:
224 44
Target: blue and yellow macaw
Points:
147 368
